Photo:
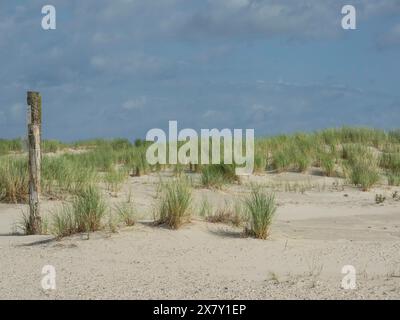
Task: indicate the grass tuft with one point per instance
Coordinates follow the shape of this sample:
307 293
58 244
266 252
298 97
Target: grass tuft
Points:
14 180
84 214
174 204
126 213
261 208
218 175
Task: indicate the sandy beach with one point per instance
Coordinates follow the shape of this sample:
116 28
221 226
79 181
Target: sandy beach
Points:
320 226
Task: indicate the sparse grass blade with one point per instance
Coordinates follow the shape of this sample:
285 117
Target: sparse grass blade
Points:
126 213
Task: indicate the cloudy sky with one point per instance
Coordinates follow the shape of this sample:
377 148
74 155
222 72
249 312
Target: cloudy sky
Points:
119 68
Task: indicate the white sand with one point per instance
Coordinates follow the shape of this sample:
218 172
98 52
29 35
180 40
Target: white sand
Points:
314 235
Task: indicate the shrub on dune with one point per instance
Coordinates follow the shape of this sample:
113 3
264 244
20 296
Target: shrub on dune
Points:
261 208
174 204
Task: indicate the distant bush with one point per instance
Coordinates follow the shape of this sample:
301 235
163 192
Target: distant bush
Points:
7 146
52 146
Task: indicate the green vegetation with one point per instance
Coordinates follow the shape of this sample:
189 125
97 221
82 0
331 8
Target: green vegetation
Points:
362 155
217 175
114 179
229 214
52 146
126 213
9 146
83 214
362 166
261 208
205 208
174 203
13 180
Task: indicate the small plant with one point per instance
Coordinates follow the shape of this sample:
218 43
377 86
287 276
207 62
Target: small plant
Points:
63 222
379 198
114 179
174 203
302 162
273 276
126 213
84 214
217 175
89 208
364 174
362 167
261 208
112 224
396 196
205 208
227 215
25 225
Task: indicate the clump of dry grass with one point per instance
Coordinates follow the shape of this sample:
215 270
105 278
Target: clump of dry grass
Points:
228 214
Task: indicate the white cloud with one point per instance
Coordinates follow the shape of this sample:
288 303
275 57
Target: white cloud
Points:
134 104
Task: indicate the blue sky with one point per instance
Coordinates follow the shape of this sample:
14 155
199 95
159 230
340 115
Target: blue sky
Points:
120 68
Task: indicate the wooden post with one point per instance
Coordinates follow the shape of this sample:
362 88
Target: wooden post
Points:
34 101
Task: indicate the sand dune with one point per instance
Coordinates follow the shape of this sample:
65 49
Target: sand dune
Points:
315 233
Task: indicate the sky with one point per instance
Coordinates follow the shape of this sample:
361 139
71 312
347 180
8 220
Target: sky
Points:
120 68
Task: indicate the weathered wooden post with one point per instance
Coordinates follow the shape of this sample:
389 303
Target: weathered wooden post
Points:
34 101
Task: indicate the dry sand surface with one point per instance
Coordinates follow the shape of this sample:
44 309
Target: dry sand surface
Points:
319 227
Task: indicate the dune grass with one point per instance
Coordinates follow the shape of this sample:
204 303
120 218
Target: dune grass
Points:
115 178
83 214
261 208
205 208
362 166
8 146
218 175
126 213
337 152
173 208
13 180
